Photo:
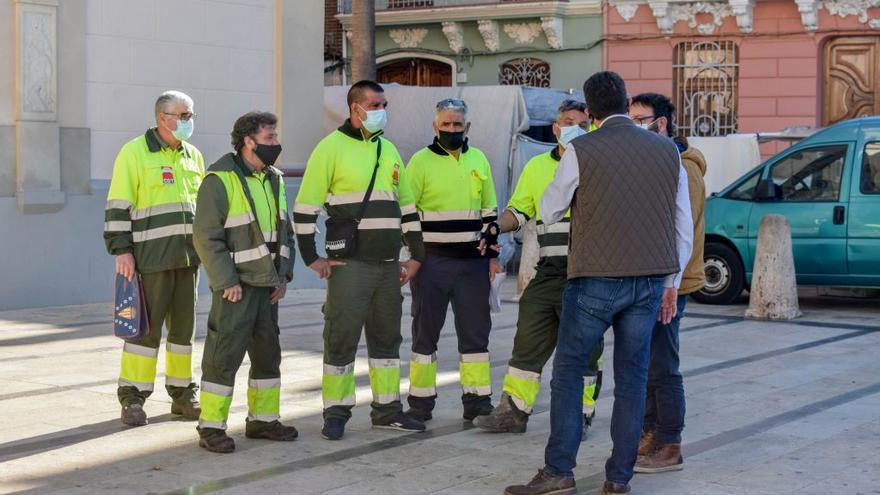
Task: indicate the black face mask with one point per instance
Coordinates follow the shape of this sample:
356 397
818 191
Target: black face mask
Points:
267 153
451 140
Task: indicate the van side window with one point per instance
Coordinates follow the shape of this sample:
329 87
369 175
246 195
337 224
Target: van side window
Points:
746 190
870 181
812 174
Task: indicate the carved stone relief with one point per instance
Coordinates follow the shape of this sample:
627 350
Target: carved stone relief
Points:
489 31
627 10
454 35
408 38
688 12
38 62
845 8
523 33
553 31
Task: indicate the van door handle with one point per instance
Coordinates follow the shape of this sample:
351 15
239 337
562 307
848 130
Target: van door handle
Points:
839 215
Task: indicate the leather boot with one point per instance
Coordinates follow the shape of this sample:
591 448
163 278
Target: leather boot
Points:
188 408
647 443
216 440
506 418
665 458
272 430
134 415
544 484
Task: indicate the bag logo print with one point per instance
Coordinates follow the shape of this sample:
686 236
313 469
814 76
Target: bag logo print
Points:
167 176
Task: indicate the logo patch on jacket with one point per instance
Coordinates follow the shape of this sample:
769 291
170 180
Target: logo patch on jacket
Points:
395 176
167 175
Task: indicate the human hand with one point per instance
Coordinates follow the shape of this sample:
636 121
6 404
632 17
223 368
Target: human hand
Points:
669 305
232 294
125 265
494 269
278 294
324 267
408 270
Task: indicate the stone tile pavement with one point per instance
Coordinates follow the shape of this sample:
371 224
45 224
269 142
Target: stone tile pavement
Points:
772 408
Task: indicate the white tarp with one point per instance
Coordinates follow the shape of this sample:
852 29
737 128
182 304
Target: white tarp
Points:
727 158
496 113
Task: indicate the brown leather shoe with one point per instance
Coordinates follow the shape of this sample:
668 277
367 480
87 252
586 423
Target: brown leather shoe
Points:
665 458
544 484
189 409
216 440
134 415
648 443
612 487
272 430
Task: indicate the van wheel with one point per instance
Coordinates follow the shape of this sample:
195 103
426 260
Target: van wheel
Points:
725 276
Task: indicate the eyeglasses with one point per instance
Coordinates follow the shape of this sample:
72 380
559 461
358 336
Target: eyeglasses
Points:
185 116
454 103
646 118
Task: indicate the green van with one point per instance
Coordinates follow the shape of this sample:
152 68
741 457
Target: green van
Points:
828 187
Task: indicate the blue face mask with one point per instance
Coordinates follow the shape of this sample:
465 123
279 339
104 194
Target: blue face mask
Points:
375 121
567 133
184 129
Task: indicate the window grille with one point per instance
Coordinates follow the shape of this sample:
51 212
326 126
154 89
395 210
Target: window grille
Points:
525 72
706 82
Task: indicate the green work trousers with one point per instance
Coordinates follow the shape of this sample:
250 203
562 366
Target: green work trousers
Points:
247 326
362 295
540 308
171 300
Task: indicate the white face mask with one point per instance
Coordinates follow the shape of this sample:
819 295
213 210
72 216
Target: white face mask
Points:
567 133
647 126
376 120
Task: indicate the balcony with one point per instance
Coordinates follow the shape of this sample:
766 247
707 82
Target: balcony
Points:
344 6
396 12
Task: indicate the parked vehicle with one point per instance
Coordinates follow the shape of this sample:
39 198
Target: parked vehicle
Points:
828 187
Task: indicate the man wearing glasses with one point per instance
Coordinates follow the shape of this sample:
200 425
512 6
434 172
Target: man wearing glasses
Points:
148 227
455 197
541 304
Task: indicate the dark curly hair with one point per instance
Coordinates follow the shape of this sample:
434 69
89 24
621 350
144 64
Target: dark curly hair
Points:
661 107
250 124
606 94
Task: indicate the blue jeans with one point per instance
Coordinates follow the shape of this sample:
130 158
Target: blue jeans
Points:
589 306
664 407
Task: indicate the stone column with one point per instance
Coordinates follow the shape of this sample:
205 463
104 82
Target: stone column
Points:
37 136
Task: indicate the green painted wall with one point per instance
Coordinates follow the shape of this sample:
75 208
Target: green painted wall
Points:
569 67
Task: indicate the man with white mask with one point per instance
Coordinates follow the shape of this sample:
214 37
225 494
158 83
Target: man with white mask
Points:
541 303
357 177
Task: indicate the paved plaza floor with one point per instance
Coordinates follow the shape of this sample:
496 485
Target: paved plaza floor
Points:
772 408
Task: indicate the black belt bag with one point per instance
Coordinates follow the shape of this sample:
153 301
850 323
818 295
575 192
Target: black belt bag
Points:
342 233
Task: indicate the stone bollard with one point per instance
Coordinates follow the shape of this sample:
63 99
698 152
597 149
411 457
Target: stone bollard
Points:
528 259
773 295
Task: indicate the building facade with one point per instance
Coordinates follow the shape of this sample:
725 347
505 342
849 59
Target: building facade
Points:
484 42
749 66
81 79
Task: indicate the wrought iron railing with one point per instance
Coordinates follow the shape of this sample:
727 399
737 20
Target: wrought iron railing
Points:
344 6
706 84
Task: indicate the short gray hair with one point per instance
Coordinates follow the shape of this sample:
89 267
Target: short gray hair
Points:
172 97
451 104
568 105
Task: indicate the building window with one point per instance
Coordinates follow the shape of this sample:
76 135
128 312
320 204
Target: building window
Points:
705 76
525 72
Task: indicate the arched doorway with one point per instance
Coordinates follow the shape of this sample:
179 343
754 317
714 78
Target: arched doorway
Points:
416 72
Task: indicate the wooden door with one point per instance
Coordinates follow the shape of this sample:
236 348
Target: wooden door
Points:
416 72
851 78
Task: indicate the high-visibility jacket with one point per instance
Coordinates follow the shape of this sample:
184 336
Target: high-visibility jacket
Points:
526 204
336 179
151 203
455 198
236 241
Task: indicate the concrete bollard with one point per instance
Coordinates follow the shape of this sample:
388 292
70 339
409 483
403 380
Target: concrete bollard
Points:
773 295
528 259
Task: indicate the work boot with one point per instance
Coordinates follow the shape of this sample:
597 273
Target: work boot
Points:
664 458
270 430
402 422
588 422
420 414
134 415
472 412
544 484
333 428
611 487
647 444
216 440
506 418
188 408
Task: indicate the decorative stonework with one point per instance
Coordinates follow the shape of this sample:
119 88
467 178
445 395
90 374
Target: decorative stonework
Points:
845 8
348 35
552 27
37 59
454 35
809 10
408 38
627 10
523 33
744 11
688 12
489 31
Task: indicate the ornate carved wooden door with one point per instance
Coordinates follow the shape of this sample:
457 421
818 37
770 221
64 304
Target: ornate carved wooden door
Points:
852 77
416 72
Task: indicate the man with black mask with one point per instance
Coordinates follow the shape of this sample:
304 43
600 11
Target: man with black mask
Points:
243 235
455 197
